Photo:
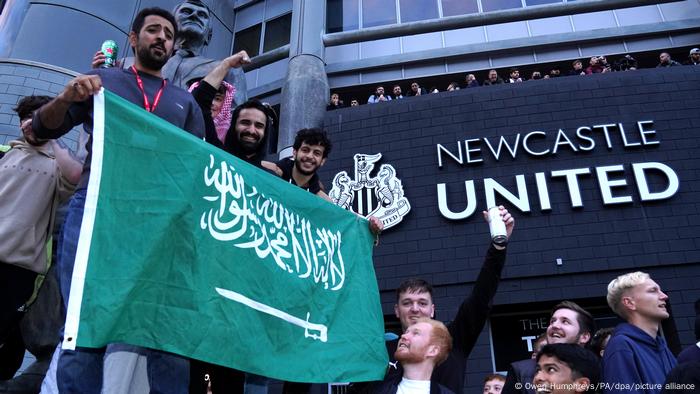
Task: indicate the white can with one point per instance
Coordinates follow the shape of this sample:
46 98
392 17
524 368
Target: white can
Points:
497 226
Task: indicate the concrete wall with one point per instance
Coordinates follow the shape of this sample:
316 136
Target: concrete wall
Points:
596 242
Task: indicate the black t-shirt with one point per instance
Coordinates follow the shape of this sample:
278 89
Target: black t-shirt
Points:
286 165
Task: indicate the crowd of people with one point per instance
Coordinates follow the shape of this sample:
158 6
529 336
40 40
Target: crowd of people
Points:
570 357
596 65
39 173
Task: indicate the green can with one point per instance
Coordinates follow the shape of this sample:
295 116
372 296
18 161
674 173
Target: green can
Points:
110 50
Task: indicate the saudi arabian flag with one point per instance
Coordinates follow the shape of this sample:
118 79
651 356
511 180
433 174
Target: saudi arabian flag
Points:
187 249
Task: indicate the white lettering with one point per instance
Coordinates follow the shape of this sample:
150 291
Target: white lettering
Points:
502 141
445 210
641 126
469 151
645 194
584 137
441 149
607 184
559 141
624 137
572 183
542 191
607 133
527 147
250 220
521 201
529 340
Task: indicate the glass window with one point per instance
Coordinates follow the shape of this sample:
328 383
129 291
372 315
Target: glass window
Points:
248 40
249 16
459 7
378 13
418 10
495 5
540 2
277 32
342 15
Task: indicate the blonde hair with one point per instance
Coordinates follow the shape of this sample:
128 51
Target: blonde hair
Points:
618 286
440 336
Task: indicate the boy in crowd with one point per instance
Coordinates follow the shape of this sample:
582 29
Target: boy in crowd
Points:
493 384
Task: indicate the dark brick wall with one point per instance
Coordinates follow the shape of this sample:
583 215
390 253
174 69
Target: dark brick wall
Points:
19 79
596 242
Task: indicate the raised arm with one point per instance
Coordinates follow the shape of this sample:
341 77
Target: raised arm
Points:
53 119
475 308
220 72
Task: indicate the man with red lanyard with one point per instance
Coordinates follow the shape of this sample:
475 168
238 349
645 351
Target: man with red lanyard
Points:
151 38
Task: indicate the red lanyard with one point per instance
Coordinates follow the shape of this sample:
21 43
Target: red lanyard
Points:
159 93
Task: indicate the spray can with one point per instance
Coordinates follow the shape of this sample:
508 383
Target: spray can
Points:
497 226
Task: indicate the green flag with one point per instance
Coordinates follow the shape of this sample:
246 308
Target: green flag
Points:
187 249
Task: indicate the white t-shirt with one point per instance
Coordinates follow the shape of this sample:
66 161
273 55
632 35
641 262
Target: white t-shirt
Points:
408 386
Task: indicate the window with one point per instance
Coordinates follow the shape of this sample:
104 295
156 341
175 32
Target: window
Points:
342 15
276 35
248 40
277 32
495 5
418 10
378 13
459 7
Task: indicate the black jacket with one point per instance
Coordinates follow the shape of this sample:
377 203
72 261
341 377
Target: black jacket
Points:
520 372
391 385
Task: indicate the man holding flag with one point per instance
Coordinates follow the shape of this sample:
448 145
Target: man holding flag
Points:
251 123
151 38
186 249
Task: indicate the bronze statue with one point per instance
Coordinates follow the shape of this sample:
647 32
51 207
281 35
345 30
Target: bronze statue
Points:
194 32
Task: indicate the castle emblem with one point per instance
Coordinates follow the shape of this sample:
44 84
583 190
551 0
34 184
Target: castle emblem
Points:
381 196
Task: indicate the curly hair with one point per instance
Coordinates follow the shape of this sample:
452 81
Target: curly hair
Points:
27 105
313 136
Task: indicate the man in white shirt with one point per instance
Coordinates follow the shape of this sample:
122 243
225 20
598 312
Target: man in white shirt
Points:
423 346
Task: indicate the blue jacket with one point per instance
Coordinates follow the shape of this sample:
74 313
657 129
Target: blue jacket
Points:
634 362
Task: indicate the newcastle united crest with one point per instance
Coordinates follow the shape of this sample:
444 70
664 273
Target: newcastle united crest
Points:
380 196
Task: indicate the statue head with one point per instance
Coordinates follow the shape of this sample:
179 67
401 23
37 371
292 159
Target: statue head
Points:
193 21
